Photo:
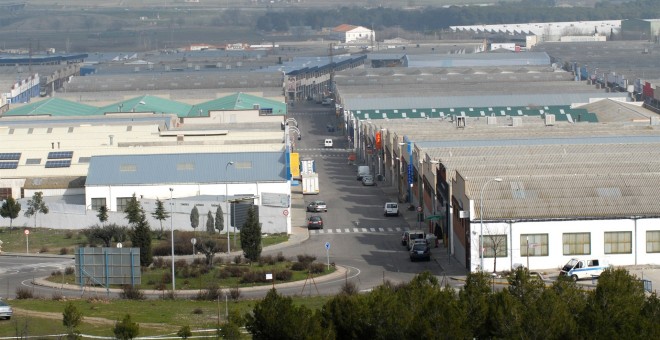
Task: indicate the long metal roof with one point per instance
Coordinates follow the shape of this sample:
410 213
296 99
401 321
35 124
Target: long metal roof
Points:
190 168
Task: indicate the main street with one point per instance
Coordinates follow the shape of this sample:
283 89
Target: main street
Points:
361 238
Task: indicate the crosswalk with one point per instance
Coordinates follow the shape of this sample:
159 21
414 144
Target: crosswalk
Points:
354 230
335 150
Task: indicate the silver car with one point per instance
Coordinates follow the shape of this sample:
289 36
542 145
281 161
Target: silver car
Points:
368 180
5 310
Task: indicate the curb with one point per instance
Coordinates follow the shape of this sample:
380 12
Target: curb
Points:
338 273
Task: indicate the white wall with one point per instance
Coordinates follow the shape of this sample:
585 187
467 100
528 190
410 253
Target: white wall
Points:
555 230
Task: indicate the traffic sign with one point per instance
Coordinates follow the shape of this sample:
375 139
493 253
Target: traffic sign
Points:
419 209
327 246
193 241
27 232
285 212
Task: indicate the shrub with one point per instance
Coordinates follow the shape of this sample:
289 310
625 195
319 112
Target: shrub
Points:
316 268
234 293
56 273
161 250
159 262
131 293
267 259
299 266
197 261
166 278
235 271
198 311
280 257
238 259
69 270
222 274
68 235
211 293
349 288
253 277
305 258
64 251
57 296
43 249
180 264
283 275
160 286
23 293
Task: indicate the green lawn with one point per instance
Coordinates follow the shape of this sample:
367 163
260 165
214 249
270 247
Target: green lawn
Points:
156 317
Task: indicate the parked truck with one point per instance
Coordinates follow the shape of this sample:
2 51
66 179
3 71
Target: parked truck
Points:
579 268
310 183
307 166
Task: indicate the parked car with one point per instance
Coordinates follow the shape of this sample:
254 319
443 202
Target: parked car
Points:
391 209
368 180
5 310
415 235
420 251
315 222
317 206
417 241
404 238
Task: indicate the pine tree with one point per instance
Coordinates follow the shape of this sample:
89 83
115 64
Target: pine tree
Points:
102 214
71 318
133 210
194 218
160 214
219 219
251 236
210 225
36 205
126 329
10 209
141 238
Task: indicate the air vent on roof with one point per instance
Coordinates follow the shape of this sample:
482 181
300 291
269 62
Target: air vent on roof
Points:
128 167
549 120
384 115
185 166
403 115
460 121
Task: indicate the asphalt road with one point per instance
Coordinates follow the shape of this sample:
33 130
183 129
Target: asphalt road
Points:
361 238
20 271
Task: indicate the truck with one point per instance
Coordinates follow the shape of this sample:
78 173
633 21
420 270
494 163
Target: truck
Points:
307 166
310 183
579 268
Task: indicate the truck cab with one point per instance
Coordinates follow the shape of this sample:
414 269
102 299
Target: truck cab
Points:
577 268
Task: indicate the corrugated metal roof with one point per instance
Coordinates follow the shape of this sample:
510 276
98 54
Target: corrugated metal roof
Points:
540 141
239 101
357 102
586 196
148 103
52 107
478 59
186 168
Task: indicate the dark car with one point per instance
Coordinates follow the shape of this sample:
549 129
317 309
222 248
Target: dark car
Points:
420 251
317 206
315 222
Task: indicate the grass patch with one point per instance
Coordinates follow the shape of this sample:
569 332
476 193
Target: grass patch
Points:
43 240
156 317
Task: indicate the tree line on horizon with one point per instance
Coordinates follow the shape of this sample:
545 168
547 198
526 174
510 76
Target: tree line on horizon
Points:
433 19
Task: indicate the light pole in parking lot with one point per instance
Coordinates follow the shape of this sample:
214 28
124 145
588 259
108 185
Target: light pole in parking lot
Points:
172 238
481 219
227 203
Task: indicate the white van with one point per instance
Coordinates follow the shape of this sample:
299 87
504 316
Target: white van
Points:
362 171
327 143
583 268
391 209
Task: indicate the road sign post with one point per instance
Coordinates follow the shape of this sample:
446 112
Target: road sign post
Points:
193 241
27 241
327 253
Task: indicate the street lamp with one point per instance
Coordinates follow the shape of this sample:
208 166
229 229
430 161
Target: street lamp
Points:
172 238
481 218
227 203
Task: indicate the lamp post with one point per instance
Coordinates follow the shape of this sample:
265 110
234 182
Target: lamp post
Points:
172 238
481 218
227 203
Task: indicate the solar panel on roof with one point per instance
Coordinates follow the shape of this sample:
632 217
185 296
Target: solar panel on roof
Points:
60 154
8 165
520 112
58 164
10 156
